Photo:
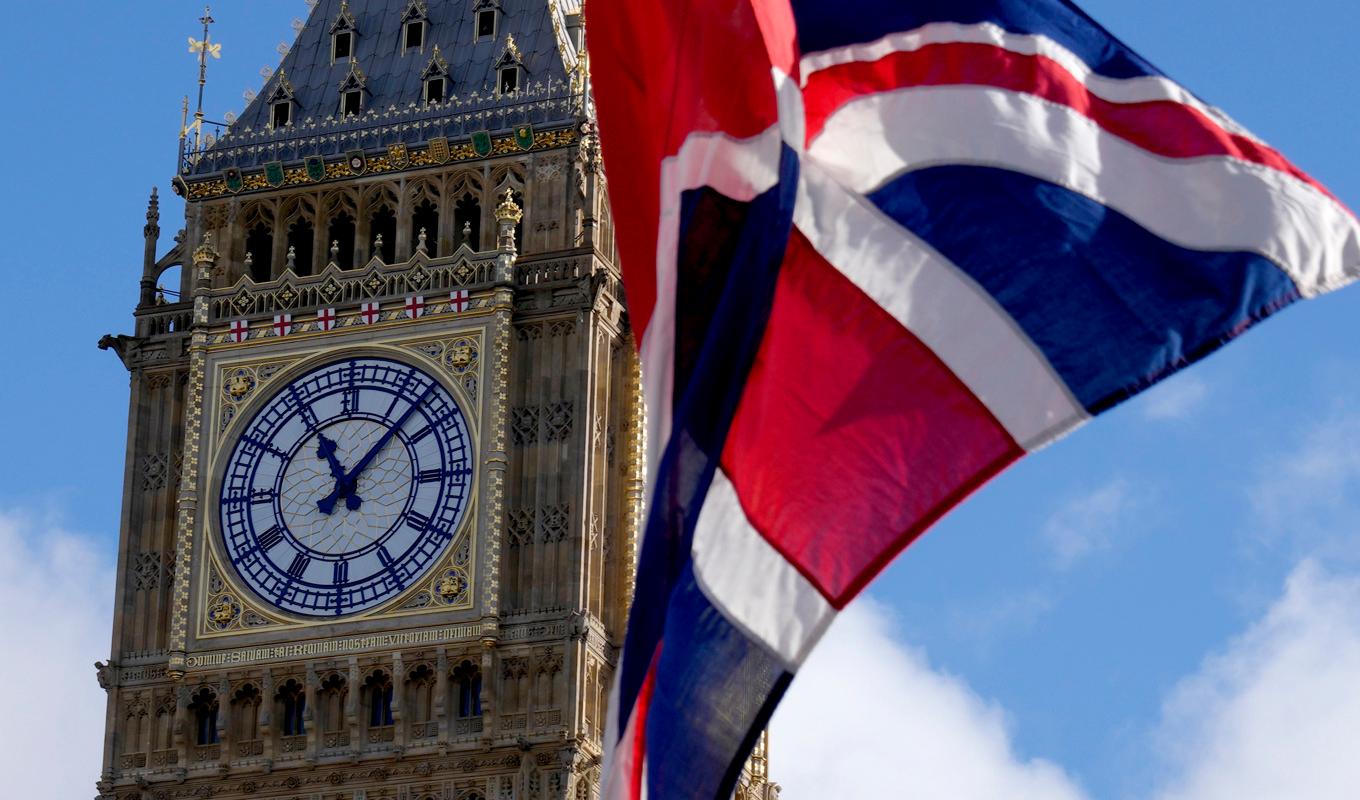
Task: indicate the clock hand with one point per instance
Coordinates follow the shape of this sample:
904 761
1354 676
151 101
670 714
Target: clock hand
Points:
344 487
326 449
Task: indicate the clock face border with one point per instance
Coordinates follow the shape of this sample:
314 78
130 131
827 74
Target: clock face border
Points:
213 557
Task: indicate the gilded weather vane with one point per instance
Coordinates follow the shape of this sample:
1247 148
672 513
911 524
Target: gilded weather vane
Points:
202 48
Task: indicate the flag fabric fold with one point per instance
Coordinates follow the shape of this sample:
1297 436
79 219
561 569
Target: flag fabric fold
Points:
874 255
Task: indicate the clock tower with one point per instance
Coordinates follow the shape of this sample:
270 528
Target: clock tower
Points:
384 468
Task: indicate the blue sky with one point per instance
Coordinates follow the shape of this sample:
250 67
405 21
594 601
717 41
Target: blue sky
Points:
1108 619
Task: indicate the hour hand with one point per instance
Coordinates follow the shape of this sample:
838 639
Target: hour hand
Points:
325 448
344 486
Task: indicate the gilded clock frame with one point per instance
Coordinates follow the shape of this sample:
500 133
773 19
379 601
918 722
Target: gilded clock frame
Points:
223 607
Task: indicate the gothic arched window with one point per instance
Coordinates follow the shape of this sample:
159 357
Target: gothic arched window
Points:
383 225
425 219
204 710
332 701
260 252
340 233
420 693
245 714
378 696
292 705
468 680
301 234
467 220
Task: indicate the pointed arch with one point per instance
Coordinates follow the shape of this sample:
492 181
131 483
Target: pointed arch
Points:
340 217
298 215
379 218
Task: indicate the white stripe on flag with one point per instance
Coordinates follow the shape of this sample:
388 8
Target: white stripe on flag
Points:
1307 234
740 169
942 306
1140 89
751 584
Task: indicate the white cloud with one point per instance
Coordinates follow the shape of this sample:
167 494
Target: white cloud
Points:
868 717
55 591
1176 398
1309 494
1088 524
1277 713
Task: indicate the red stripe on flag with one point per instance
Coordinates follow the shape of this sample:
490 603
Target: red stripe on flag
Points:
851 437
703 67
640 710
1163 127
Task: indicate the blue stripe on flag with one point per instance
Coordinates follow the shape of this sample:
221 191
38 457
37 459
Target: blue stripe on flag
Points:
1111 305
715 691
705 404
823 26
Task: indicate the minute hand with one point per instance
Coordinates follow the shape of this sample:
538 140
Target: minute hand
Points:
377 447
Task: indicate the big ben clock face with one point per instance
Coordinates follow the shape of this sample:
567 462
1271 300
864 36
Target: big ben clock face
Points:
346 486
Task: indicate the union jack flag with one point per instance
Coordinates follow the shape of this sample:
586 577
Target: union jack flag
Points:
874 254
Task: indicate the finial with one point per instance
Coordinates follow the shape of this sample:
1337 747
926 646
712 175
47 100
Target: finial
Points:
467 230
508 210
508 214
377 246
420 244
292 256
153 208
250 262
335 251
205 251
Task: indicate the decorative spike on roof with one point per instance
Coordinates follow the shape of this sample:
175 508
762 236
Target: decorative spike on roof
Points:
355 79
344 21
438 65
415 10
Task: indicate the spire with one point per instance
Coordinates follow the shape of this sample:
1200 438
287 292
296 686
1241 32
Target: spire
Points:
202 48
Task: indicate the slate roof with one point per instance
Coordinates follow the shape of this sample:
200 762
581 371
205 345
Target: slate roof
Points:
394 84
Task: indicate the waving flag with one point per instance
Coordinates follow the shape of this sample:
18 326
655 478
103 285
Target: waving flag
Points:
875 253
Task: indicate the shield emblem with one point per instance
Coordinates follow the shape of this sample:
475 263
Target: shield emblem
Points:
358 163
439 150
233 178
398 155
481 143
316 168
273 173
524 137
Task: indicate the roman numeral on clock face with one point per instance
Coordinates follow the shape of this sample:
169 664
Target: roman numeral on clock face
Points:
341 576
299 566
430 475
270 538
417 520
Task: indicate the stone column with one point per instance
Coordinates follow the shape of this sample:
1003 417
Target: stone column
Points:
205 260
309 715
441 694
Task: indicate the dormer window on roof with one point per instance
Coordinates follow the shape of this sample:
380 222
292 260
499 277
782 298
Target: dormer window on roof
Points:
352 90
435 78
342 46
509 80
343 31
281 101
509 69
485 20
414 22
